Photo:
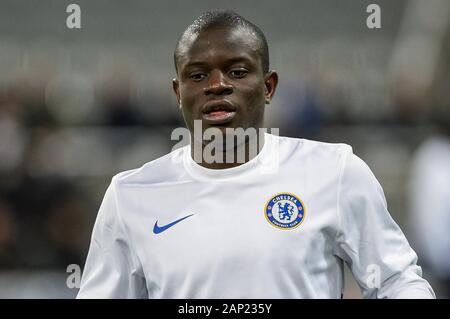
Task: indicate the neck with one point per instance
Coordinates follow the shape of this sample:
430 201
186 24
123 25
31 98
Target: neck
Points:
227 158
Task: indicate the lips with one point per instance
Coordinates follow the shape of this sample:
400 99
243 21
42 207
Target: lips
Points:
218 112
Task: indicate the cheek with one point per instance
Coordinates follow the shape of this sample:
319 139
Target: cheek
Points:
255 96
186 96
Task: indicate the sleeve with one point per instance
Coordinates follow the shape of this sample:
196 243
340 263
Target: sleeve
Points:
370 242
111 269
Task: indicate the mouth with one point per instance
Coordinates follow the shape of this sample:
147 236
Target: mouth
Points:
218 112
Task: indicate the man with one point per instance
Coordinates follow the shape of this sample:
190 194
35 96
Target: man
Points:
278 224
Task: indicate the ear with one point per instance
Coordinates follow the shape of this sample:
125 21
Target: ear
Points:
270 82
176 89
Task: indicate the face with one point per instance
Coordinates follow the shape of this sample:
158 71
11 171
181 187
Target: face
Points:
221 81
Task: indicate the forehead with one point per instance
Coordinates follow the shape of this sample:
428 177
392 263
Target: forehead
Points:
219 44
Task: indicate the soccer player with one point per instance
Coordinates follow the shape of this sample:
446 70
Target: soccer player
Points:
279 223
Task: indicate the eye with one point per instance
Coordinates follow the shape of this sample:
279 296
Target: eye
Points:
238 73
197 76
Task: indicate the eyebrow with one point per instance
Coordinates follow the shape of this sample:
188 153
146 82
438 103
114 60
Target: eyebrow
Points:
228 61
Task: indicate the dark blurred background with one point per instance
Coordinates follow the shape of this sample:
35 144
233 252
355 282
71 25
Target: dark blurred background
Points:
80 105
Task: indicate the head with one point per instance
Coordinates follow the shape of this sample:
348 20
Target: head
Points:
223 76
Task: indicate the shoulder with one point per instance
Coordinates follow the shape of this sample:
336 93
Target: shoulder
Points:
357 178
165 169
336 158
314 150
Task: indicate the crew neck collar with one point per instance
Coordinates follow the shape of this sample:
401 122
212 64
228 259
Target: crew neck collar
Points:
261 163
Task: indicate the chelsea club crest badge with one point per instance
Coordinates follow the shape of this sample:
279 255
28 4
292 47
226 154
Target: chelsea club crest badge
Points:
285 211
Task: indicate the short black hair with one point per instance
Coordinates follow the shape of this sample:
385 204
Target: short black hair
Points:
227 19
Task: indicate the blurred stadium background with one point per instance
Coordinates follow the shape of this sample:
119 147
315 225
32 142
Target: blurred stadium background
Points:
78 106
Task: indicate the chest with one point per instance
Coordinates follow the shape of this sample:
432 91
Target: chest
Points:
193 229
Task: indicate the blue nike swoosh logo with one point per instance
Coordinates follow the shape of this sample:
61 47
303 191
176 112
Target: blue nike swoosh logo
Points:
157 229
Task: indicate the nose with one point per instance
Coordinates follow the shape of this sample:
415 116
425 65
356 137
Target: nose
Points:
217 85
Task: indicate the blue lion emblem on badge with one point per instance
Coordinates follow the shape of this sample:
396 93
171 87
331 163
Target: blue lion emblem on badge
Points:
285 211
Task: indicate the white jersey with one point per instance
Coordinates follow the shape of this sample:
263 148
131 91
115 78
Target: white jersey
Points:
279 226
